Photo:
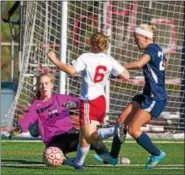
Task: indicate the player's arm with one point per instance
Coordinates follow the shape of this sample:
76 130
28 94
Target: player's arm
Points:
144 59
165 63
124 75
119 70
64 67
29 118
24 122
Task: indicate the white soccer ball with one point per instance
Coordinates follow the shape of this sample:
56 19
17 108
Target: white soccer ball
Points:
53 156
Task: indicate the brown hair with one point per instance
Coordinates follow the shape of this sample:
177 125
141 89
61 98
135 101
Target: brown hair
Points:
100 41
150 28
52 79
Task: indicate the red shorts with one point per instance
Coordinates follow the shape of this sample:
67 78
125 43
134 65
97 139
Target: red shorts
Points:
92 111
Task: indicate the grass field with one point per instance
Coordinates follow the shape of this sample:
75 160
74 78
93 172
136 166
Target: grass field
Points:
25 158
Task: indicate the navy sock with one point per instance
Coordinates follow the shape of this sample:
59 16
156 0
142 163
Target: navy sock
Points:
116 145
144 141
100 148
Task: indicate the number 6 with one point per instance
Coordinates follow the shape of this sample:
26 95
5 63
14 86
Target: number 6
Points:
98 76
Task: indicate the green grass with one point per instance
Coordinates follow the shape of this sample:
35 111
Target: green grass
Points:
25 158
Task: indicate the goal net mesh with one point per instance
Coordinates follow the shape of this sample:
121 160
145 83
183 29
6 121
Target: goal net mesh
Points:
42 31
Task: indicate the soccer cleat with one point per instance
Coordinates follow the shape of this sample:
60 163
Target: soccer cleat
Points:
119 131
71 162
106 158
154 160
78 167
100 158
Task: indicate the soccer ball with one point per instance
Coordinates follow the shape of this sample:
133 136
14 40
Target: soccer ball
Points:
53 156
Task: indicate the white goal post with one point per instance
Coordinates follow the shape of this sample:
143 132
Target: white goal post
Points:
65 27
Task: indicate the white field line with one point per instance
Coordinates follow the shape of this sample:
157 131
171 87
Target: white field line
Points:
106 141
138 165
171 166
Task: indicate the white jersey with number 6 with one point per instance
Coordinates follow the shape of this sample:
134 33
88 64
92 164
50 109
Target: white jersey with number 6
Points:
95 70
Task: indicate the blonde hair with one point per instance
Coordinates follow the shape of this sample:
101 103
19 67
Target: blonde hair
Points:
100 41
50 76
150 28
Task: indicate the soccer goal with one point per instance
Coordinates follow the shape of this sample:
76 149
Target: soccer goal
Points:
65 27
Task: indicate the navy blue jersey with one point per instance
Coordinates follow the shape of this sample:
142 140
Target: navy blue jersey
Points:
154 73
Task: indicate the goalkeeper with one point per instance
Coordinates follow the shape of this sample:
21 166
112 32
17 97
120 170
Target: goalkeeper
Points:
49 117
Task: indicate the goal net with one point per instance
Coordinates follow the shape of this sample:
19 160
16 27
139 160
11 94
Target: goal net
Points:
67 26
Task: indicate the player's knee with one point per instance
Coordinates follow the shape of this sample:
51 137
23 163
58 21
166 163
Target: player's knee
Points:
90 141
87 137
91 138
132 130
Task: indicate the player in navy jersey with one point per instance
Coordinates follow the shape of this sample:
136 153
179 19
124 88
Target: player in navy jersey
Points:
152 101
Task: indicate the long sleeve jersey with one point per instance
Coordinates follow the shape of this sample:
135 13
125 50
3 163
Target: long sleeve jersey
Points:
52 117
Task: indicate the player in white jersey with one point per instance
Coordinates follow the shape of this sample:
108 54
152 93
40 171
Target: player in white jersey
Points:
95 69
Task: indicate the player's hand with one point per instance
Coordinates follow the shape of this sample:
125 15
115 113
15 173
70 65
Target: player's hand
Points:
14 132
6 17
70 105
52 56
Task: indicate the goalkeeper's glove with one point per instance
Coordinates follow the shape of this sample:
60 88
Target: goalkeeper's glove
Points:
70 105
15 132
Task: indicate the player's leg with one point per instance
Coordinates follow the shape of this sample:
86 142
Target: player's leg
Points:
150 108
117 144
66 141
142 139
95 116
100 148
125 117
82 151
83 147
91 114
112 157
72 142
86 130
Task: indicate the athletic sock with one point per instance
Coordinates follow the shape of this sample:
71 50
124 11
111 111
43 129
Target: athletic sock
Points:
104 133
81 155
100 148
144 141
116 145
